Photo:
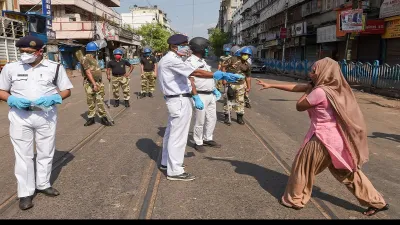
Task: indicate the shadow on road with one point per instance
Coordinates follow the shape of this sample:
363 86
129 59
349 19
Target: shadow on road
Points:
275 183
282 100
66 158
392 137
149 147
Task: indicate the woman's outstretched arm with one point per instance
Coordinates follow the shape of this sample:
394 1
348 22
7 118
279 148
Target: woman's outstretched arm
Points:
284 87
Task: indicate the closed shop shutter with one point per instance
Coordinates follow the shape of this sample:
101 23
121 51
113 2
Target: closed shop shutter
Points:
369 47
393 51
312 52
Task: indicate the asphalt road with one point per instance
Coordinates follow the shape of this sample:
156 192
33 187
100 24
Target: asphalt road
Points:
113 174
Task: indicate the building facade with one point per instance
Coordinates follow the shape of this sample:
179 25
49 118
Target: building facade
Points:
313 29
11 5
226 14
77 22
142 15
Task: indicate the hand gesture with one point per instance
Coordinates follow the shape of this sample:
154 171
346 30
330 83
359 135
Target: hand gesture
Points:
95 88
263 84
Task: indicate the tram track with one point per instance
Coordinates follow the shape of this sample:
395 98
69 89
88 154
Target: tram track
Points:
13 199
324 209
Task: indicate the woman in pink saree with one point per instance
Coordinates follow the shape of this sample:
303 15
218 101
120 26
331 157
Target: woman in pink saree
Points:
337 139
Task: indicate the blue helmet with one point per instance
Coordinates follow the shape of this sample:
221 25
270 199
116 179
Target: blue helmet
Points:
91 47
227 49
247 51
147 50
237 53
118 52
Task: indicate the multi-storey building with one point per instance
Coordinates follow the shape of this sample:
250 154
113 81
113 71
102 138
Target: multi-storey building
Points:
314 30
226 12
141 15
12 5
77 22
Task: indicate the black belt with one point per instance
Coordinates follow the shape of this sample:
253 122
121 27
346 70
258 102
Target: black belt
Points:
205 92
187 95
87 80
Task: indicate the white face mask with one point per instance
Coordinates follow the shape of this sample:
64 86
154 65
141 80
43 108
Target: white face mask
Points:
28 58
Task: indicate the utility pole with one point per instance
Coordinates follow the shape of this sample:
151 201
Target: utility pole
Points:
284 40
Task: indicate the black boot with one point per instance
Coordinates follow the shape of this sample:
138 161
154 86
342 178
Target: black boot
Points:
240 119
25 203
89 122
143 95
247 105
116 104
127 105
150 94
226 121
105 122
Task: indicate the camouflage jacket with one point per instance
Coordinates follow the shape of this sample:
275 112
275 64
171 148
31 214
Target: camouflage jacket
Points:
223 59
90 63
236 65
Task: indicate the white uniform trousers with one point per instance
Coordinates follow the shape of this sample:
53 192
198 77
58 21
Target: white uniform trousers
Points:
176 135
206 119
25 126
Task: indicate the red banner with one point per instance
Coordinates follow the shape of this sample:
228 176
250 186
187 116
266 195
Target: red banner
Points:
283 32
374 27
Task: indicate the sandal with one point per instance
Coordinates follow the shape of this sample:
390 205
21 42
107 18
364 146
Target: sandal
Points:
375 210
290 207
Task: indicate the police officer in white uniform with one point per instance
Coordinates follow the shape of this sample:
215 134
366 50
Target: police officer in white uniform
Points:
206 118
175 85
30 88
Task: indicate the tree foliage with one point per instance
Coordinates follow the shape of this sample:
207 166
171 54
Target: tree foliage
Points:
217 40
155 36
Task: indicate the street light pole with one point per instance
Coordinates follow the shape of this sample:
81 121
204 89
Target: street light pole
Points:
284 40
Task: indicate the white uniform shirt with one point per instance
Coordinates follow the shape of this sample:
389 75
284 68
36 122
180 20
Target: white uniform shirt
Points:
25 81
173 75
202 84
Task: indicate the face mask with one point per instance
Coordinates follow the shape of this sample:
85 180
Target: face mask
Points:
117 57
226 53
147 54
184 51
245 57
28 58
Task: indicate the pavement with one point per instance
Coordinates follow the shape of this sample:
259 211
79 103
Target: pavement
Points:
111 173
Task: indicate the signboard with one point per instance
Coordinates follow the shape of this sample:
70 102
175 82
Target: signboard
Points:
326 34
46 10
374 27
283 33
352 20
392 29
389 8
270 43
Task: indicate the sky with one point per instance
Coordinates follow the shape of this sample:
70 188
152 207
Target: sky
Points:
180 12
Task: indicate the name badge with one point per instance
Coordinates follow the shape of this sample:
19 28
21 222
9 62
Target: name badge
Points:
22 75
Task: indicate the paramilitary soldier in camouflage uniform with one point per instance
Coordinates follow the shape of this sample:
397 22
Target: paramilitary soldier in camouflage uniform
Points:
119 77
93 84
239 65
226 56
149 73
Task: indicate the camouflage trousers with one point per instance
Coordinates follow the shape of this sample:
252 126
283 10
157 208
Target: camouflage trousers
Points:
122 82
246 99
95 99
238 102
219 84
148 82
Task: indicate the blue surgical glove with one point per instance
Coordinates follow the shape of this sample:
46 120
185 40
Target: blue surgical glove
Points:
19 103
229 77
217 94
48 101
197 102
